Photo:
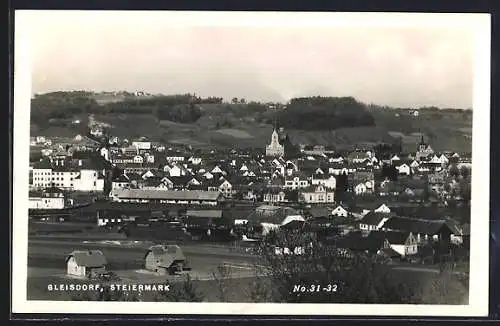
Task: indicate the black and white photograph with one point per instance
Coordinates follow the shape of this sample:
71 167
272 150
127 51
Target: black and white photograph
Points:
251 163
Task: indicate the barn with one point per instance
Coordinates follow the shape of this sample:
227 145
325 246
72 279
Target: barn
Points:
85 263
162 259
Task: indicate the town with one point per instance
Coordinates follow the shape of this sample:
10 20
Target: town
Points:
409 208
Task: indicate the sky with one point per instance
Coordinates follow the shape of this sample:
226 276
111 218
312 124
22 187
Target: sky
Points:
403 66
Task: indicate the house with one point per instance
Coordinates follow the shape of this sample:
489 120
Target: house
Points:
273 195
404 169
404 243
296 181
424 230
340 211
50 198
329 182
96 132
142 145
362 182
85 263
383 209
159 258
373 221
105 153
356 157
316 194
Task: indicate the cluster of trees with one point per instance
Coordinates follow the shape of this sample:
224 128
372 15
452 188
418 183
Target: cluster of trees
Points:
325 113
61 105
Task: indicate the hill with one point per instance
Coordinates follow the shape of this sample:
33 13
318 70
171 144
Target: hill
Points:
201 122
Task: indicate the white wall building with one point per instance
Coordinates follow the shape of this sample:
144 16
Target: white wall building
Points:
329 182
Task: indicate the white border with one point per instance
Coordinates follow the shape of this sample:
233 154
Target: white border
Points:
479 273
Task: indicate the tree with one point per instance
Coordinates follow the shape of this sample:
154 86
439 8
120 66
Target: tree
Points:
242 101
465 172
454 172
234 100
185 291
346 277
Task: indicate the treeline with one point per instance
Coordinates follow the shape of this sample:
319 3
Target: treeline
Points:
324 113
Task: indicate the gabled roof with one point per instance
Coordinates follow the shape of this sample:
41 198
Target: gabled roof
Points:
216 213
393 237
134 176
416 226
90 258
166 194
121 178
373 218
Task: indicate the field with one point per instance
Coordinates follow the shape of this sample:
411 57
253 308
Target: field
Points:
444 130
46 265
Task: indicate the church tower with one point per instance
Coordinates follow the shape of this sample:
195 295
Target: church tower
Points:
275 149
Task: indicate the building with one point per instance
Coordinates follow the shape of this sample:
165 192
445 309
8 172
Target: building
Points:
424 150
316 195
161 258
275 149
404 243
85 263
274 195
330 182
51 198
194 197
373 221
74 176
340 211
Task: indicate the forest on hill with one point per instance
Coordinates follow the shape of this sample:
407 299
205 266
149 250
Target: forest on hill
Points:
306 113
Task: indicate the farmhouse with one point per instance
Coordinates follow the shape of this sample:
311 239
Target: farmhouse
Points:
373 221
404 243
160 258
84 263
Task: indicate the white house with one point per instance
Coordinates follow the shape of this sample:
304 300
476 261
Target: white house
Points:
404 169
142 145
340 211
317 194
105 153
138 159
364 187
47 200
177 171
329 182
89 180
195 160
373 221
296 182
84 263
383 209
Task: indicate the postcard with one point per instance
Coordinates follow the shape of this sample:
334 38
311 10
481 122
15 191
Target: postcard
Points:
251 163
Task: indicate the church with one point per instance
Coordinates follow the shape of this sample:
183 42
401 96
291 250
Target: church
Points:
275 149
423 150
